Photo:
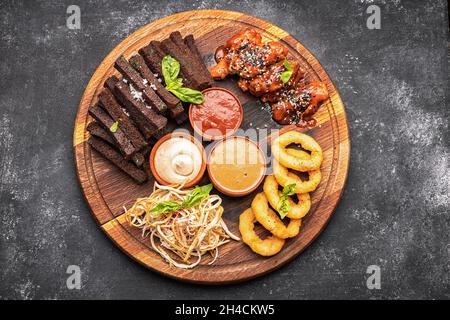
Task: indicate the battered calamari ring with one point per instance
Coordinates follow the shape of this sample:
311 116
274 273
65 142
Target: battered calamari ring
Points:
279 145
284 177
296 210
267 247
270 220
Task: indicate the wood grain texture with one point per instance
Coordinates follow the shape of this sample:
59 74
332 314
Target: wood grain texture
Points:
107 190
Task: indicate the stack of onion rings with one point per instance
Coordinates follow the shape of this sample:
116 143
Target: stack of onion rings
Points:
285 158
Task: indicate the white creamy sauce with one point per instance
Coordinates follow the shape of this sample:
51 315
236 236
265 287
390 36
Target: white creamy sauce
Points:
178 160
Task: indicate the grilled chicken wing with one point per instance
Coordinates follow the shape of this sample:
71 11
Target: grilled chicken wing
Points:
270 81
299 103
260 66
245 55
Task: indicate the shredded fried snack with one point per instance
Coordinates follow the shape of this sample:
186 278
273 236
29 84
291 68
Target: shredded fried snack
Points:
188 232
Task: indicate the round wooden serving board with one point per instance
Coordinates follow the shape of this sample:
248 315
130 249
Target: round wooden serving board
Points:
107 190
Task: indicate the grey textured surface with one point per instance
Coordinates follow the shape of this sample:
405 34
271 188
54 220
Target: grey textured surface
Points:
395 211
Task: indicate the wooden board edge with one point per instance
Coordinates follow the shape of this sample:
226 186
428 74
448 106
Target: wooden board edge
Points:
80 136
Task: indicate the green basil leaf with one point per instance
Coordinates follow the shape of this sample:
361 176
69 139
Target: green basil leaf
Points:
287 65
174 85
197 195
283 207
165 207
193 198
170 69
188 95
286 75
283 204
289 190
114 127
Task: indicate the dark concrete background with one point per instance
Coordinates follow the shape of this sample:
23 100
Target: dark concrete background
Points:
394 212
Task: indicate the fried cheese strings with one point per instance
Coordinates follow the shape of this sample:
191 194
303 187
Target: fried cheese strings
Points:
189 233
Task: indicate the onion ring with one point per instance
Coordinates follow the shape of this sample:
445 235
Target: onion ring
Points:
296 210
284 177
270 220
308 143
267 247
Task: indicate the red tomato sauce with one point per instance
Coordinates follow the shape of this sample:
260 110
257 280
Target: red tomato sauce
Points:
219 115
